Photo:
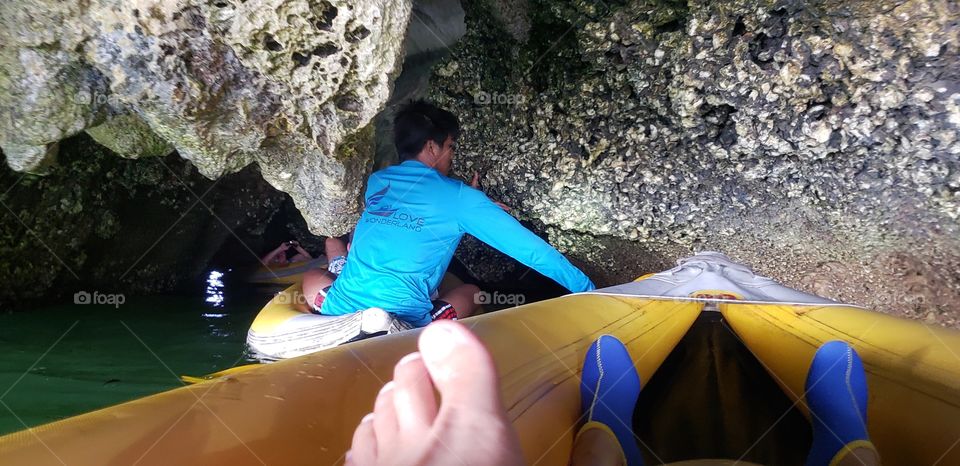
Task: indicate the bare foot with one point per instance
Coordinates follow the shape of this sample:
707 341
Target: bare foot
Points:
469 428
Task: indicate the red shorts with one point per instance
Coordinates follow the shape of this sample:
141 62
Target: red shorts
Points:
442 310
318 300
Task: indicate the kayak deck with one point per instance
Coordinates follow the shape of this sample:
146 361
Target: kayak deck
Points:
722 377
711 398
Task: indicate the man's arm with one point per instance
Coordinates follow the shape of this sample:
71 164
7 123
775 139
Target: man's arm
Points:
480 217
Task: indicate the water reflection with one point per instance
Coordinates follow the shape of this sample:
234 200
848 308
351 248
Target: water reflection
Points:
214 292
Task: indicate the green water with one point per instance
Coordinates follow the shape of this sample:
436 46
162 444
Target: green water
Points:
66 360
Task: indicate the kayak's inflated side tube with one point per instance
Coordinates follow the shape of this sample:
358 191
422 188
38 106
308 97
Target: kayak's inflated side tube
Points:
280 331
913 370
304 410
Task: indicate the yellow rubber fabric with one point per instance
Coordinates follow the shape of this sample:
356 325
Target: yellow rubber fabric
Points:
279 309
913 370
304 410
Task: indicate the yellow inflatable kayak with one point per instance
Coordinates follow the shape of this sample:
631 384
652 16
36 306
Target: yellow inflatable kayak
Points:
722 354
282 330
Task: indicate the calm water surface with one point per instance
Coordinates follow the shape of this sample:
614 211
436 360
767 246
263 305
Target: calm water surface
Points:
65 360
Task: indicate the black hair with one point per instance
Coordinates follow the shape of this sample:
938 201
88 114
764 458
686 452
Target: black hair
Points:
419 122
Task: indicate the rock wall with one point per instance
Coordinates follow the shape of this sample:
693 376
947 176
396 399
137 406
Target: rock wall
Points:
97 222
816 141
291 85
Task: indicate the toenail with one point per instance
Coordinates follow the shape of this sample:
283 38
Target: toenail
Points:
367 418
438 342
387 387
408 358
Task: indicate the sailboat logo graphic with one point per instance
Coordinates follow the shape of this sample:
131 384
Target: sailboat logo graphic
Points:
373 203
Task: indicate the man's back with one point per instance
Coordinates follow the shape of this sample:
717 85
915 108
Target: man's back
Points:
402 245
411 226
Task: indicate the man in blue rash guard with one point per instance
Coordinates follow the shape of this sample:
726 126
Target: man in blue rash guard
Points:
413 221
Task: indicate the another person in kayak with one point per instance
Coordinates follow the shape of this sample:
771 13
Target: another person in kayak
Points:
471 426
279 256
413 221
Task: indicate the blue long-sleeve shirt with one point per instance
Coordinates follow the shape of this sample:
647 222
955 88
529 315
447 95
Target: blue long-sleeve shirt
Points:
411 226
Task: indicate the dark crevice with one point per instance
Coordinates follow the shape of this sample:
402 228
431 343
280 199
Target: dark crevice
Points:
819 112
834 142
761 49
325 23
738 27
300 59
776 23
677 24
766 43
325 50
348 103
271 44
721 125
728 135
358 34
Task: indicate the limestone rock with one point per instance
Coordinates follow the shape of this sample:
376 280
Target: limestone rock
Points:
128 136
227 83
784 133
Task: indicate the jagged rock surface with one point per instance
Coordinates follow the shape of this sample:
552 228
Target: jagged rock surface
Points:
128 136
816 141
289 84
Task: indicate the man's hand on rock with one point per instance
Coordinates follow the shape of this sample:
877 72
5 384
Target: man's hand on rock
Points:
475 184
